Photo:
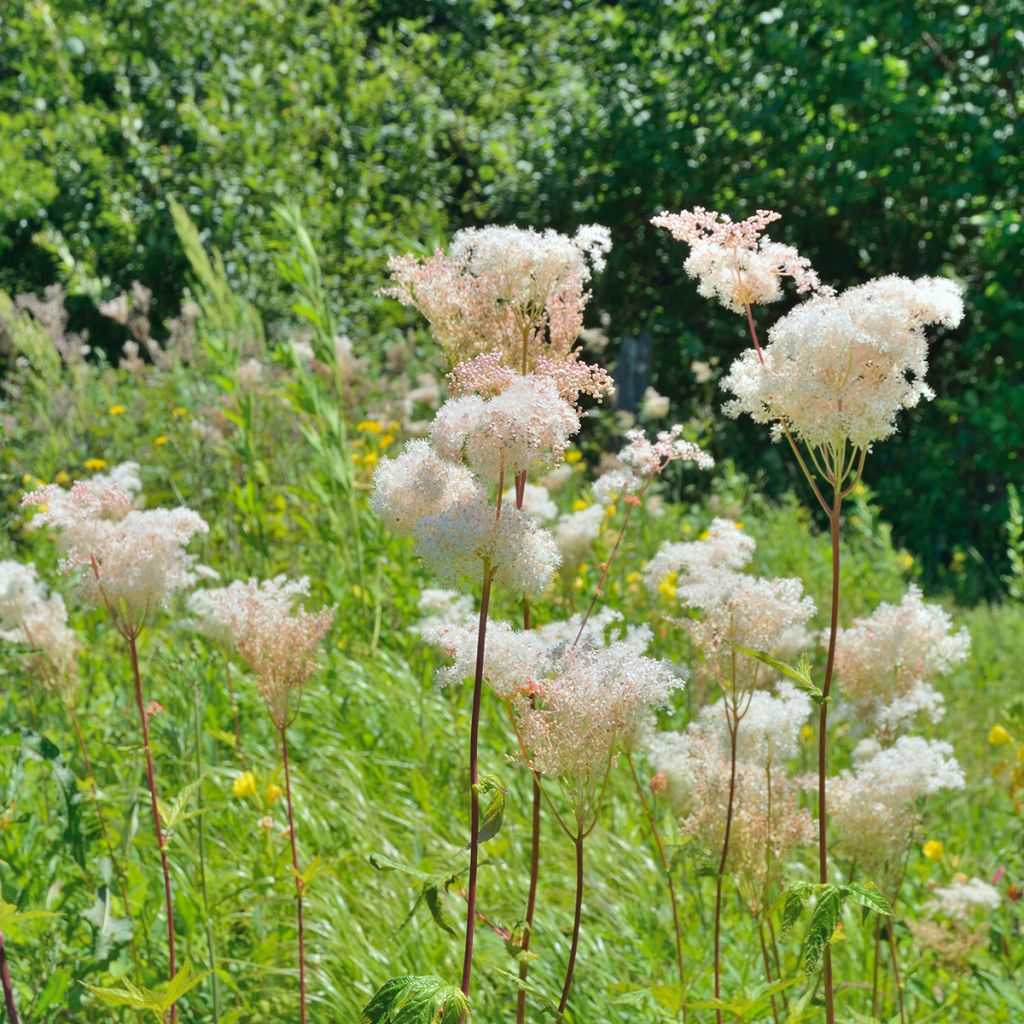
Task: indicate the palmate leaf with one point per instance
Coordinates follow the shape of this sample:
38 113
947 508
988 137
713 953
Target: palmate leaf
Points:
415 1000
828 909
156 1000
13 920
433 892
826 915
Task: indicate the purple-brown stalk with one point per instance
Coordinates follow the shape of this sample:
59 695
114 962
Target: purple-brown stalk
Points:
298 874
5 977
131 636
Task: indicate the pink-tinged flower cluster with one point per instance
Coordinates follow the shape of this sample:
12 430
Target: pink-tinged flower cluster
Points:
695 767
524 428
839 368
127 560
887 662
517 290
731 606
279 641
733 261
488 376
591 702
430 493
641 459
874 806
28 615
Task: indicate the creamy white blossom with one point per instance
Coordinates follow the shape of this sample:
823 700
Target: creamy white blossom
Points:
887 661
839 368
964 897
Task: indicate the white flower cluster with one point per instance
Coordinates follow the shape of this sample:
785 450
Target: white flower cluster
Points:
591 702
430 493
963 898
515 659
732 261
517 291
734 607
442 608
839 368
128 560
642 458
28 615
873 807
537 502
277 640
886 662
524 428
575 532
695 767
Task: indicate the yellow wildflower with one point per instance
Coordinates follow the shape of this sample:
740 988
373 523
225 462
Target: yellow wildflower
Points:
610 510
179 411
369 427
704 535
244 785
667 587
933 850
62 478
579 505
273 792
907 560
161 440
573 456
807 732
95 463
998 735
387 440
117 410
687 528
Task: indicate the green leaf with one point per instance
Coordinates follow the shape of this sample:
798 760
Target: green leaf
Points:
800 675
157 1000
12 920
868 896
824 920
415 1000
793 905
494 811
177 812
109 932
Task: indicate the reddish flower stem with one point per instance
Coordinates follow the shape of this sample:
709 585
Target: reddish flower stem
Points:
5 976
298 874
721 865
474 799
830 1012
574 947
531 897
655 831
151 776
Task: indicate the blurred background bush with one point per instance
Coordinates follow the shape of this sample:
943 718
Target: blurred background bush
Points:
885 133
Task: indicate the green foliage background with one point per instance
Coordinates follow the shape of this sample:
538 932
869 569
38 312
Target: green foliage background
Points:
886 133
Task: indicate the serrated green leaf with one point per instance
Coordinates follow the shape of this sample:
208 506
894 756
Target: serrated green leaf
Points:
13 920
827 912
415 1000
868 896
793 905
